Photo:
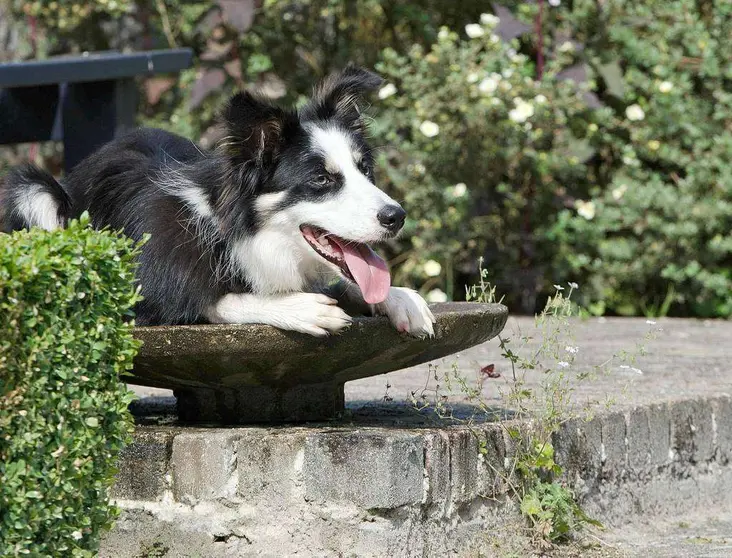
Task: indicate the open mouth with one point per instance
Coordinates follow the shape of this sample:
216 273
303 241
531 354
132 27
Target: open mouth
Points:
357 261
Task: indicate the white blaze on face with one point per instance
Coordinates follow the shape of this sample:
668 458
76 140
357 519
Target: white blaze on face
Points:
352 213
279 258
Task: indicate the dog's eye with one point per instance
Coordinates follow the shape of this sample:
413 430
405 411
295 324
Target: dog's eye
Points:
322 181
364 168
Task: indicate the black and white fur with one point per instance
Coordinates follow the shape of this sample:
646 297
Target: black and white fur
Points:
226 242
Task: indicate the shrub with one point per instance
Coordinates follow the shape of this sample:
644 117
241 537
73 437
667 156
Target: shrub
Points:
654 237
65 336
485 157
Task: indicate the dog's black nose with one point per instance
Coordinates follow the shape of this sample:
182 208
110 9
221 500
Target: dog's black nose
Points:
392 217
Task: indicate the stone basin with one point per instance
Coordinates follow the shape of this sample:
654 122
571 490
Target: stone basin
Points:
236 374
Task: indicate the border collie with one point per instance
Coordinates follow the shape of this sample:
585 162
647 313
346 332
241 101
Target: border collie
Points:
262 229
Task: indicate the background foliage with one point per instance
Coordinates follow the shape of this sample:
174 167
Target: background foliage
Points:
64 339
576 140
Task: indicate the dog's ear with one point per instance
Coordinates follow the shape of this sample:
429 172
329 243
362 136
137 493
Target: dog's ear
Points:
255 129
339 95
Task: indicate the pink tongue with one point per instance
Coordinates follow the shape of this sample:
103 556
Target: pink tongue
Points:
369 271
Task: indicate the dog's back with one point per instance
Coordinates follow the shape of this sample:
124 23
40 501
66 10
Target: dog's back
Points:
120 171
132 185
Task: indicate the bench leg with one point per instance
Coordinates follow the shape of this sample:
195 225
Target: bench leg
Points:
93 114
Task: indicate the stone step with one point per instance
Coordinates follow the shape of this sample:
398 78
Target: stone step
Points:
401 491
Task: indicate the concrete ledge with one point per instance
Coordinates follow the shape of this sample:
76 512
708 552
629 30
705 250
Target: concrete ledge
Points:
405 492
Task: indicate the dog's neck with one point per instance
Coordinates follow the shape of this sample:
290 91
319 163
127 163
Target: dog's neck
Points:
279 261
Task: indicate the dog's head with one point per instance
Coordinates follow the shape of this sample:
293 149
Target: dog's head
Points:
310 174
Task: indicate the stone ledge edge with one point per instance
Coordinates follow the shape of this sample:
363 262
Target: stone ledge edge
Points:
438 469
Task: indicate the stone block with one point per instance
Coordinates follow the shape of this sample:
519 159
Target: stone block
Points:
659 428
613 450
491 479
722 409
369 469
692 431
436 467
463 465
638 435
270 467
578 448
203 465
143 466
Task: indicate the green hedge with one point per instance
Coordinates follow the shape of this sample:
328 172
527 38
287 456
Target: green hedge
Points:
65 337
660 240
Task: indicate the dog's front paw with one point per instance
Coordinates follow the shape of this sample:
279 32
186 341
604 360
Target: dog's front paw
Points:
315 314
408 312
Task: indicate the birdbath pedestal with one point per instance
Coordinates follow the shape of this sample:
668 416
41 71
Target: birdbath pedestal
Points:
235 374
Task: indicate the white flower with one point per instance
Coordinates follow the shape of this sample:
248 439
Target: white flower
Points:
571 350
432 268
76 535
459 190
443 34
665 86
522 112
387 91
436 295
540 99
429 128
507 73
473 77
559 287
650 322
489 19
566 46
635 113
630 158
474 30
574 285
488 85
619 192
585 209
419 168
555 3
563 364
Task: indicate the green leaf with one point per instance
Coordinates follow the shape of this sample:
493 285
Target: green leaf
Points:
530 505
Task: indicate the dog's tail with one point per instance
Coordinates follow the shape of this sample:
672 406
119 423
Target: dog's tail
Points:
31 197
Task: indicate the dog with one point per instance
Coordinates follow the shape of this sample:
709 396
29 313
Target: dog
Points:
272 226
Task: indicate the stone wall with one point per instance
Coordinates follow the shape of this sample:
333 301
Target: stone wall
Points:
349 491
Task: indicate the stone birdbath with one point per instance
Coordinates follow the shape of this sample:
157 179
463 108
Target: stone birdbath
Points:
236 374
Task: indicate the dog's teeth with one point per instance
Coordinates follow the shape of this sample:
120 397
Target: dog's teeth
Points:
324 241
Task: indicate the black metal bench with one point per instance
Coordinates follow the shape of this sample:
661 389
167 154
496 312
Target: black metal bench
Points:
83 101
